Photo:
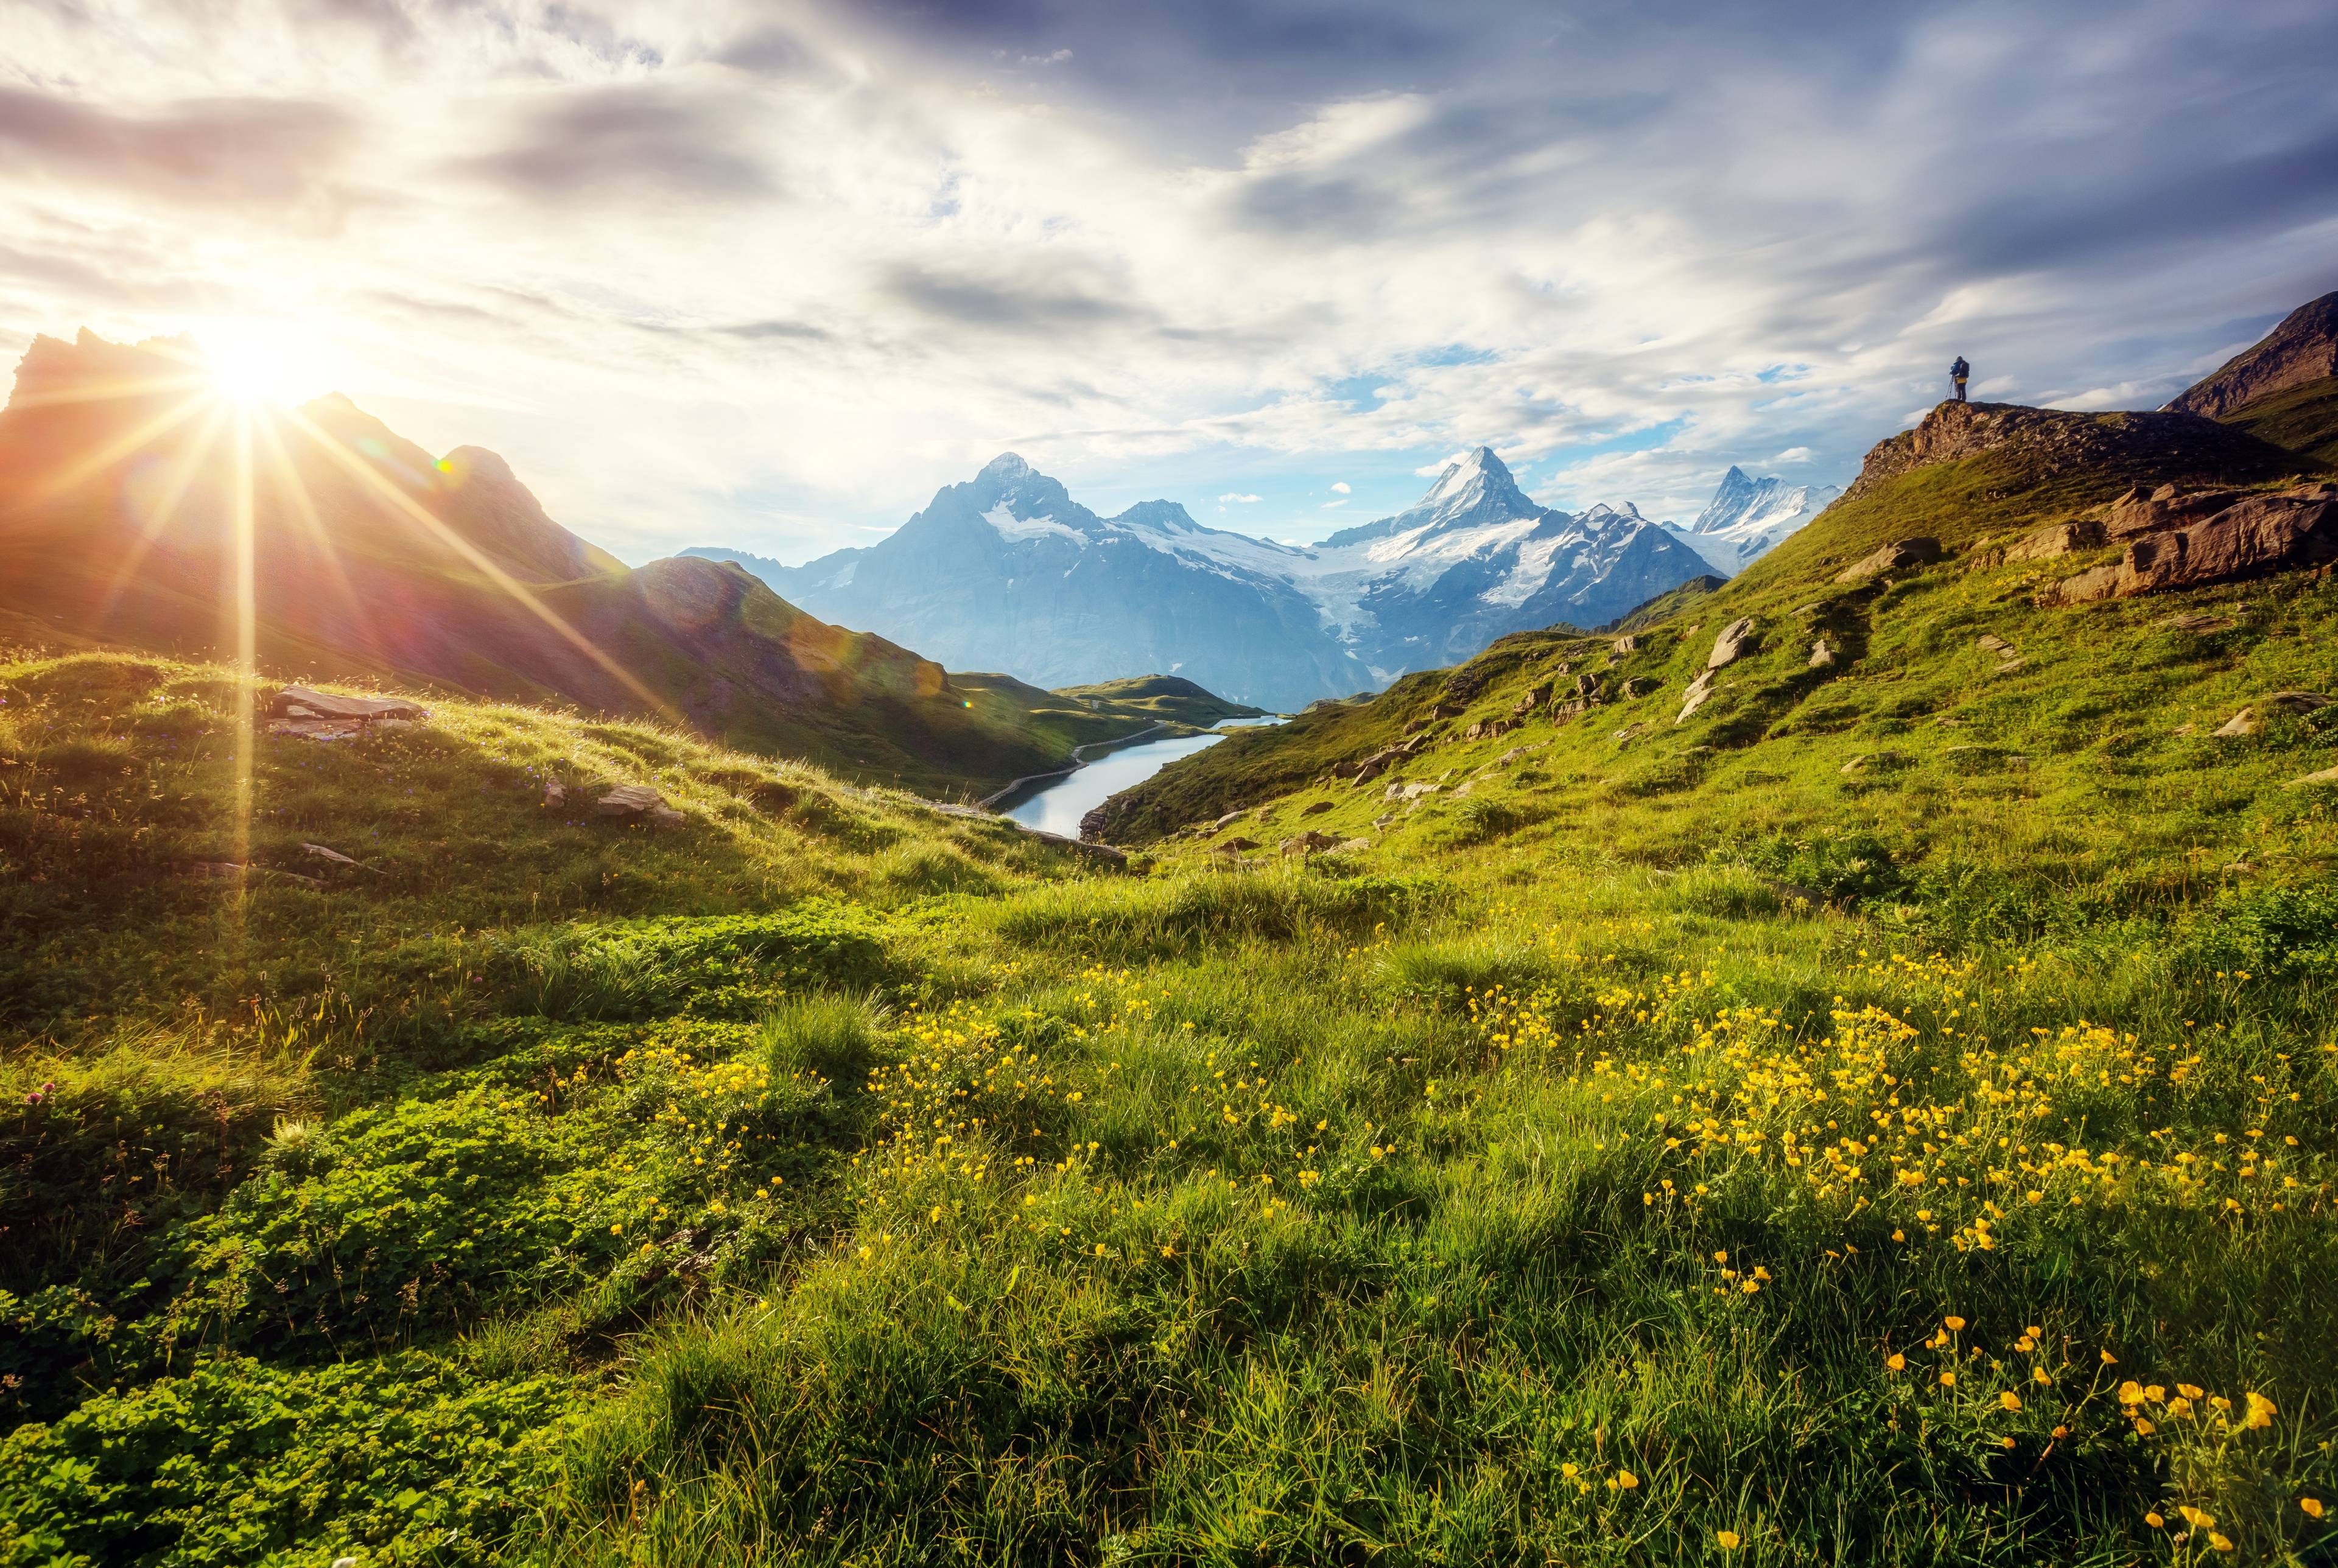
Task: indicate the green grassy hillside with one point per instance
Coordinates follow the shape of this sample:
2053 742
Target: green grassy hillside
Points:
1887 1118
2302 418
124 483
1169 697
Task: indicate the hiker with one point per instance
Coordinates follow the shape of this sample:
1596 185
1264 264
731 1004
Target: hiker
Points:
1957 373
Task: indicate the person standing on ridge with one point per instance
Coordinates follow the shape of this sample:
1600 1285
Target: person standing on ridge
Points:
1957 373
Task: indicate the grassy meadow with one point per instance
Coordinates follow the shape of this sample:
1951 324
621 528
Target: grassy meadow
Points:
1704 1151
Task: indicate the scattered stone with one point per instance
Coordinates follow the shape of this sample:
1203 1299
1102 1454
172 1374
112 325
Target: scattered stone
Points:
218 870
1319 808
1488 729
326 705
1822 655
2012 665
1384 819
319 729
2327 776
336 857
2056 539
2201 624
1536 697
1587 686
1234 845
1990 641
1308 843
1736 639
630 800
1875 762
1412 791
1700 691
2251 719
1640 685
1626 643
1350 846
1892 557
554 792
1228 820
1628 730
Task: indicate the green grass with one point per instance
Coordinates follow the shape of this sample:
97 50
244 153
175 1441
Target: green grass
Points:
826 1180
2304 419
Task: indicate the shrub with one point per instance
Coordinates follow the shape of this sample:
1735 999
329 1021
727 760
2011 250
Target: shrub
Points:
408 1459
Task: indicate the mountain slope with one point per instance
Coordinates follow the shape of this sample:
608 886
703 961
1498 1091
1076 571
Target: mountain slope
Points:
119 495
1009 571
2284 388
1810 688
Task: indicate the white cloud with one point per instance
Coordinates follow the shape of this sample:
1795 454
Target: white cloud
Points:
1238 498
550 230
1329 504
1340 487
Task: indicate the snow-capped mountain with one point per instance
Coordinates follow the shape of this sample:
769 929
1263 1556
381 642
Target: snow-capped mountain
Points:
1748 517
1010 573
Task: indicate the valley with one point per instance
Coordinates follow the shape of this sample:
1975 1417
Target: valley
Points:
1836 1067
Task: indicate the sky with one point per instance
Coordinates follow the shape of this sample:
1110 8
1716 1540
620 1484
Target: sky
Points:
767 275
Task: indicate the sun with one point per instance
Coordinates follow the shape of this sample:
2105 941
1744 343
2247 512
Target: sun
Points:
262 361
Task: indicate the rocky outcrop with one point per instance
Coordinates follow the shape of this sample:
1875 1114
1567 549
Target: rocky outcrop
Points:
2303 348
1896 556
2169 446
2269 532
2055 539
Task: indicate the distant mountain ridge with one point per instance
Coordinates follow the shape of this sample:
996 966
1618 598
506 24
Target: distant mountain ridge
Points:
1749 517
1008 571
370 559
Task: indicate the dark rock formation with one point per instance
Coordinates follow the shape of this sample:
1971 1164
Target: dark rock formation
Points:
2303 348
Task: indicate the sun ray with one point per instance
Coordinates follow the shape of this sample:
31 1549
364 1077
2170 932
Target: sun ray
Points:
115 391
288 484
247 640
175 486
115 450
390 494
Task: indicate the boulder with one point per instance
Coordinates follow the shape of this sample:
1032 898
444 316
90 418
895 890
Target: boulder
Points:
304 702
554 792
2266 532
1821 655
630 800
1640 685
2327 776
2055 539
1537 695
1228 820
2141 511
1991 642
1317 808
1234 845
2251 719
1308 843
1736 639
1896 556
1626 643
1700 692
1350 846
